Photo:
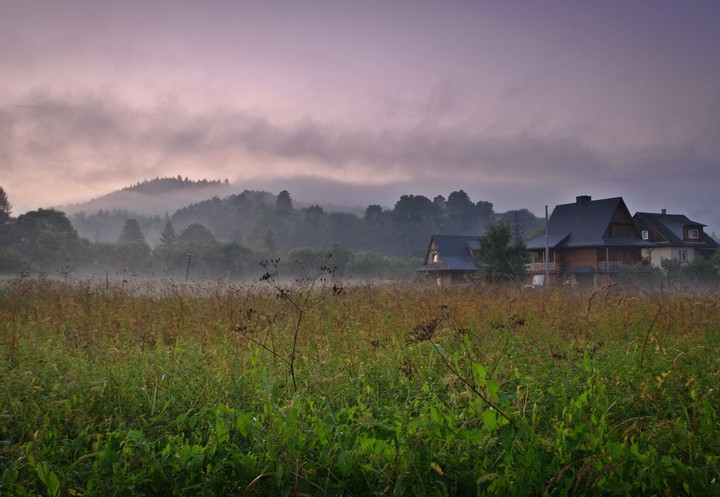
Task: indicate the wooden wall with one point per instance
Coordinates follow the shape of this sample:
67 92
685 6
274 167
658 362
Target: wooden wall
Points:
579 257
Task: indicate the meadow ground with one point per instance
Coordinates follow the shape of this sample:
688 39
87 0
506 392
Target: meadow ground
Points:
309 388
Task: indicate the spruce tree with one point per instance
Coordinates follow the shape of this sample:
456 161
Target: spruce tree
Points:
168 235
131 232
5 206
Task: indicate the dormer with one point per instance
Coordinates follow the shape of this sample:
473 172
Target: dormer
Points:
692 233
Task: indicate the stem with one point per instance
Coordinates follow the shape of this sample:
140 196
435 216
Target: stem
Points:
469 385
294 348
647 335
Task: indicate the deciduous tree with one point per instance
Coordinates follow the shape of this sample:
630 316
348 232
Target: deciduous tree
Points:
503 259
196 233
283 203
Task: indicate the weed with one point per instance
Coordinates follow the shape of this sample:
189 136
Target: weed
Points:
132 388
305 294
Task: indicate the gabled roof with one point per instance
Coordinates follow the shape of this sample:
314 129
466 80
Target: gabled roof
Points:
455 253
584 224
670 227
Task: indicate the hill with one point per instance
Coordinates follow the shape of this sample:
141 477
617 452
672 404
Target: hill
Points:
255 219
153 197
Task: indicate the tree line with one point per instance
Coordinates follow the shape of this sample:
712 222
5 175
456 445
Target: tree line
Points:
261 220
229 237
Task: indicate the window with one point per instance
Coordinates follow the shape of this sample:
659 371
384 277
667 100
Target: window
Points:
693 234
434 257
645 234
683 255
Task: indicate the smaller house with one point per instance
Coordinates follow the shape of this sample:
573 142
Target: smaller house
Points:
674 237
589 242
451 259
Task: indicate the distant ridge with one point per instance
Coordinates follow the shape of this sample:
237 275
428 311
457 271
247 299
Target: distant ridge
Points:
153 197
168 185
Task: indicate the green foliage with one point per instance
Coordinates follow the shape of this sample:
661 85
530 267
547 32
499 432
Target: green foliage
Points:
168 185
283 203
699 272
185 390
672 268
5 207
369 265
502 258
168 235
196 233
45 239
131 232
702 270
268 222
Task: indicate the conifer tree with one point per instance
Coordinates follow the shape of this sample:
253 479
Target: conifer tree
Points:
131 232
5 206
168 235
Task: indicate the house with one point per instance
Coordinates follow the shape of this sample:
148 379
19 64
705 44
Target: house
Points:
674 236
589 242
451 259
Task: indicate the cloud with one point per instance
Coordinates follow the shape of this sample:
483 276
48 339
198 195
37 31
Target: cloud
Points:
96 139
94 136
43 128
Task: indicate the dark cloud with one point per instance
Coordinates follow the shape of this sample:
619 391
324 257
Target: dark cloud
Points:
99 134
98 138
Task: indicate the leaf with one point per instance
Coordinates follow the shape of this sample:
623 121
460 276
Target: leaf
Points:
490 419
493 389
241 423
587 362
222 430
479 373
436 467
49 478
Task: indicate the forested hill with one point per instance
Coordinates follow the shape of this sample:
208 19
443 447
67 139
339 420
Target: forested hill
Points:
153 197
262 220
172 185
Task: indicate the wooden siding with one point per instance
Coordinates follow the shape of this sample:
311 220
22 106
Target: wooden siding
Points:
621 214
578 257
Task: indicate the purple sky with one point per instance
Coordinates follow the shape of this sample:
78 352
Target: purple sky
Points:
521 103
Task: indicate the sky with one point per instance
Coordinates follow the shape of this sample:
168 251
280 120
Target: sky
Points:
520 103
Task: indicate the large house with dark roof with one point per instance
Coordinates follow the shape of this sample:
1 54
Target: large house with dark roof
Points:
674 237
451 259
589 242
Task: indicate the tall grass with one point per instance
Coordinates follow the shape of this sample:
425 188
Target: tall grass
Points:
134 388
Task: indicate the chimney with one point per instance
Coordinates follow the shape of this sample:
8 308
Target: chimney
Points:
663 212
583 199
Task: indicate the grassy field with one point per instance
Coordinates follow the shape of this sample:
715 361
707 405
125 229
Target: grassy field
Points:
313 389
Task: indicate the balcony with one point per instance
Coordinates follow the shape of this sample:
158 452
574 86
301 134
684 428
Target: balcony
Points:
602 267
539 267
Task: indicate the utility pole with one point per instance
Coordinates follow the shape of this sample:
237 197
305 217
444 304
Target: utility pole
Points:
547 251
187 271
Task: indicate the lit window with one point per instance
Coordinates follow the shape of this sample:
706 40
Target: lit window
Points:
434 257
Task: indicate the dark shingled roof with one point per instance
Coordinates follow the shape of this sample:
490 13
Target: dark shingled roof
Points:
454 252
670 228
583 224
